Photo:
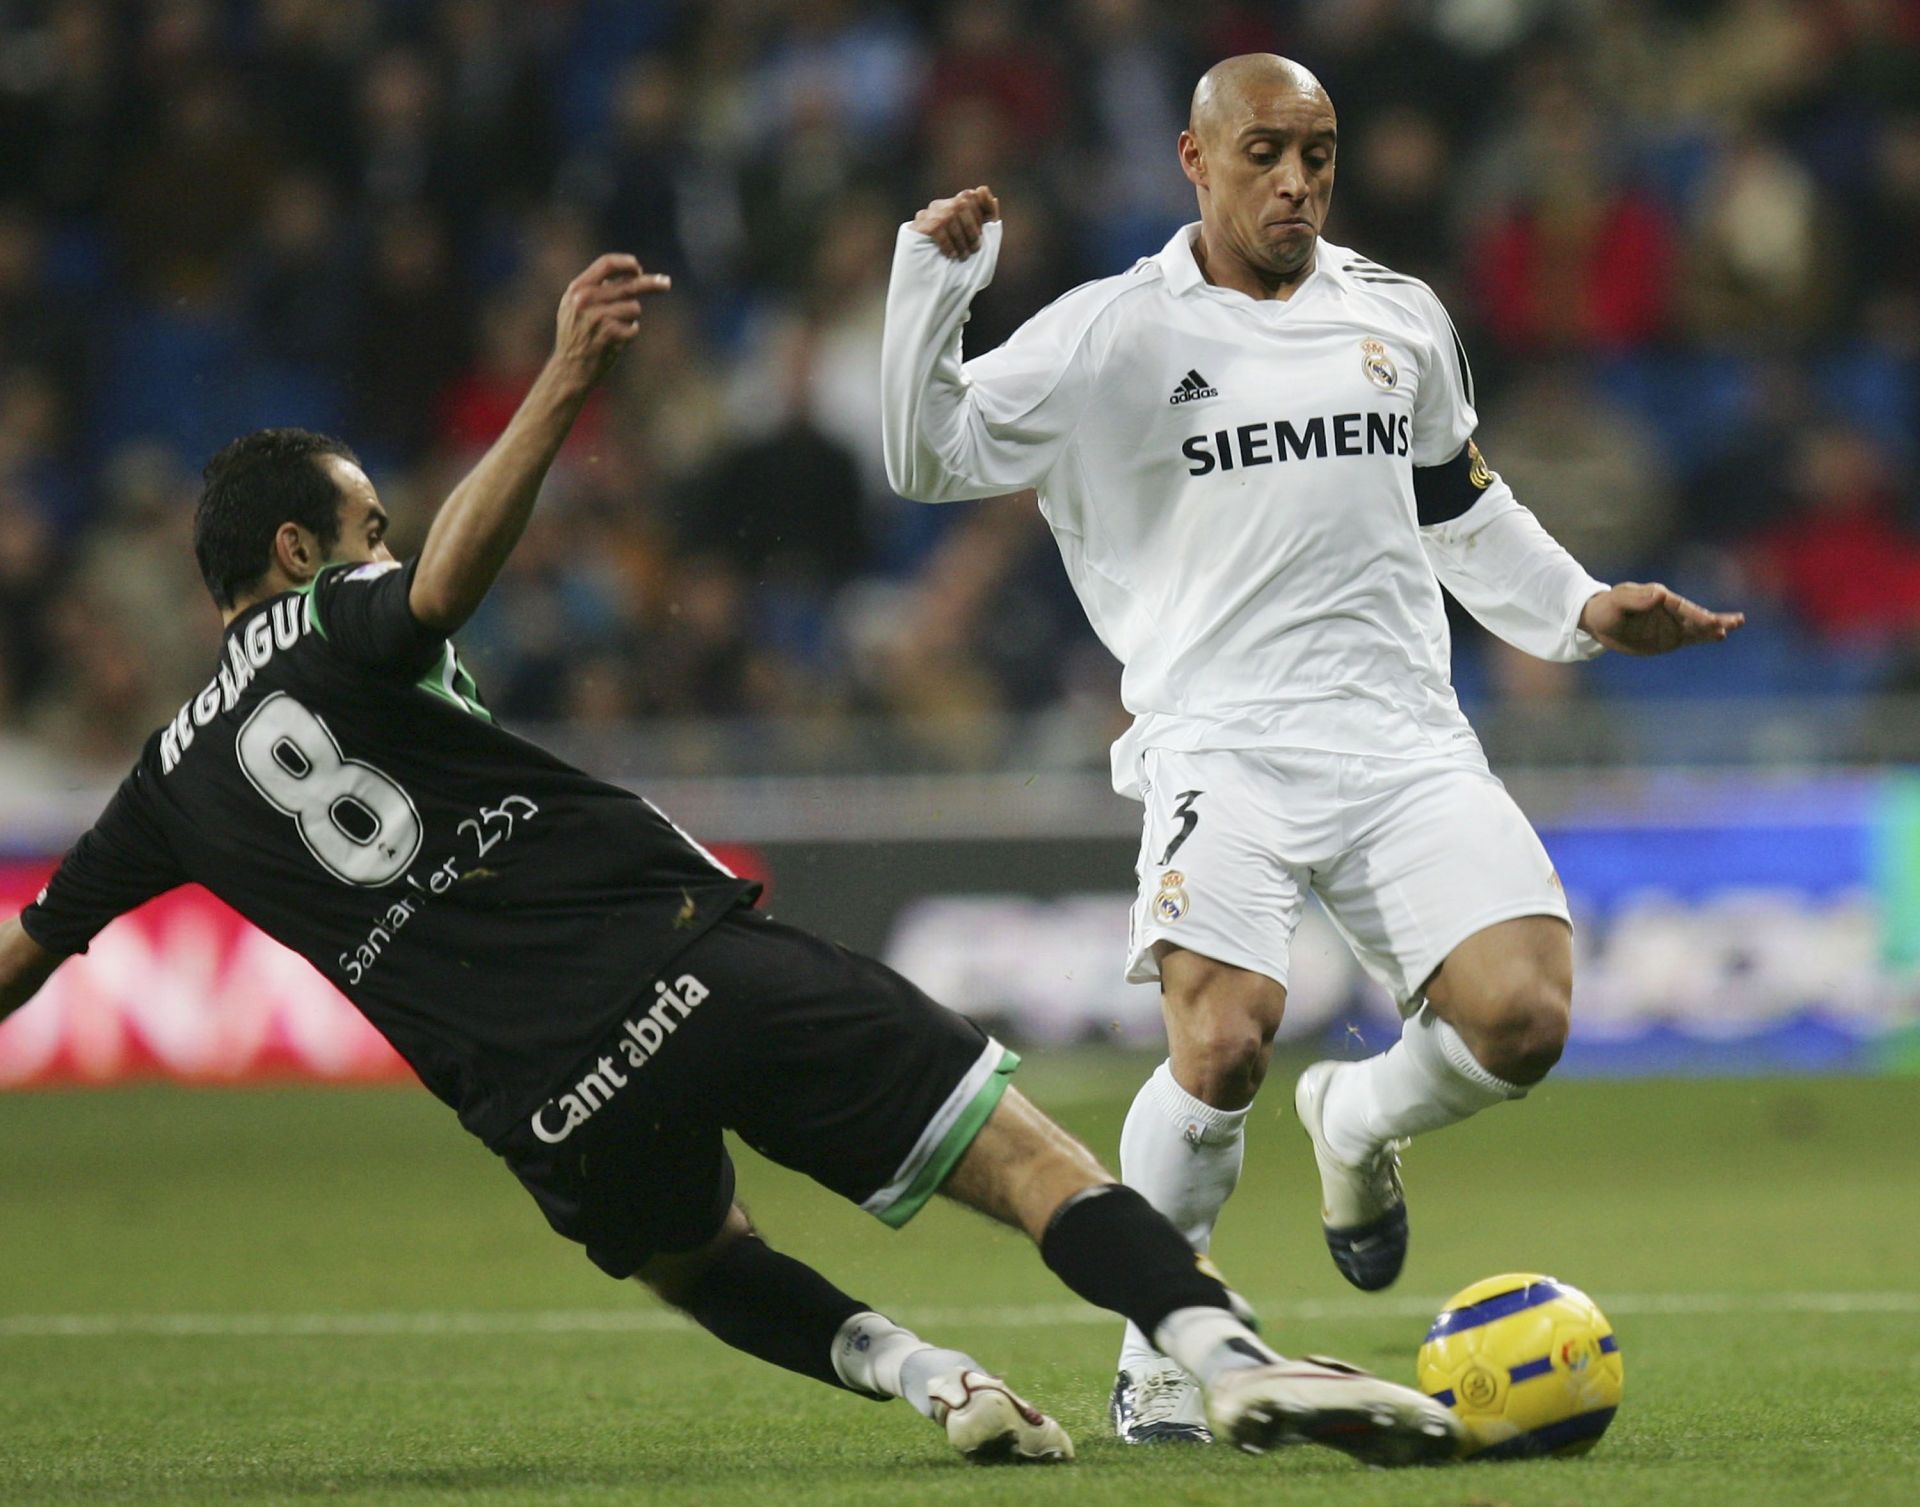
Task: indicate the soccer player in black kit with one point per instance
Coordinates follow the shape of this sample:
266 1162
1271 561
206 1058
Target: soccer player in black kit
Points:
592 993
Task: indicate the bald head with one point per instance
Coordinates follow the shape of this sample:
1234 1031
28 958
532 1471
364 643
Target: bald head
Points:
1234 90
1258 149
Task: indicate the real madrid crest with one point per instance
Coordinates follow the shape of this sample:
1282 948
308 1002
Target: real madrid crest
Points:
1170 904
1378 365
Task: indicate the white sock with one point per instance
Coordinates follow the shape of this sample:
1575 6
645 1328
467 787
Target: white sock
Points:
1425 1080
1183 1157
874 1355
1209 1341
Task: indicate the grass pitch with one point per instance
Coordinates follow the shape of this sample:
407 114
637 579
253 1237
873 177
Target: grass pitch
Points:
228 1296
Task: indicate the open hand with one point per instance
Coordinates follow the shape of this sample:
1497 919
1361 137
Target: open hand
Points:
955 224
1646 618
600 312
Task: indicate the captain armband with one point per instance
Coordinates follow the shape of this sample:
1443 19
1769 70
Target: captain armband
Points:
1444 492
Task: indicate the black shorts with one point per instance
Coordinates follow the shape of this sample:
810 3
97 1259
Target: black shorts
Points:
822 1060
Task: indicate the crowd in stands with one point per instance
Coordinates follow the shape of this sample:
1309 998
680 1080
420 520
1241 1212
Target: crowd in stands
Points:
1681 242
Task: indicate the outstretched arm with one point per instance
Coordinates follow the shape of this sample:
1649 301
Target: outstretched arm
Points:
24 966
479 524
1511 574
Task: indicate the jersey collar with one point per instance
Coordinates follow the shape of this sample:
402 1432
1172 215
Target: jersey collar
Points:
1182 271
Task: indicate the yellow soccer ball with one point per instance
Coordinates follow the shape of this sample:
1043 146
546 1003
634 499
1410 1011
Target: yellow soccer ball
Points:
1529 1363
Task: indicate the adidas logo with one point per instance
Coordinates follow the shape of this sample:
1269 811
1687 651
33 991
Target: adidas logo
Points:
1192 388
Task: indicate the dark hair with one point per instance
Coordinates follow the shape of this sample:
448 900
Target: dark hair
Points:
254 485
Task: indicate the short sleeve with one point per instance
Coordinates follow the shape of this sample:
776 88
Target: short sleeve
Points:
364 613
123 860
1443 416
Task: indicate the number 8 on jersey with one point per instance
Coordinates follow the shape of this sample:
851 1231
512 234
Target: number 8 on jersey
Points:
361 825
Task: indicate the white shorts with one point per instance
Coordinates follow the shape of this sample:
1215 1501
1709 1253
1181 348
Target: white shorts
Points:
1409 856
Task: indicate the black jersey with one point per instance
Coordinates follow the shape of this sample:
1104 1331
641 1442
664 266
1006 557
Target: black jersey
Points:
491 909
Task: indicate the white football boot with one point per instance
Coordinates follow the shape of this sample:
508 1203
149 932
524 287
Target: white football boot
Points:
1321 1401
1363 1209
990 1425
1159 1404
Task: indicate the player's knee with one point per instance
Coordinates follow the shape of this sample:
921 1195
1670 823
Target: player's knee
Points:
1220 1025
1524 1030
1225 1061
673 1277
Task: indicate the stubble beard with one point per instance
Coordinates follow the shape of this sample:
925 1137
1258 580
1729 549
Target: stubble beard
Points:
1287 262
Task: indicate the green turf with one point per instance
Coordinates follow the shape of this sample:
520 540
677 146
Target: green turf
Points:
1711 1217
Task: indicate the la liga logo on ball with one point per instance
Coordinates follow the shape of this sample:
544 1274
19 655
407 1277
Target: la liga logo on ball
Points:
1528 1362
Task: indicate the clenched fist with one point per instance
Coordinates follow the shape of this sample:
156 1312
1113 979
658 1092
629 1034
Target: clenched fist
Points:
955 224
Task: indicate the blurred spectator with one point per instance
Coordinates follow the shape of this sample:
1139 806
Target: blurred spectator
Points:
702 656
1395 197
38 326
833 336
668 399
29 585
403 153
859 62
1845 561
498 121
643 183
358 215
1572 260
1587 472
1888 231
413 335
784 505
32 419
986 55
1762 259
298 285
66 111
188 200
1133 107
307 55
515 335
132 577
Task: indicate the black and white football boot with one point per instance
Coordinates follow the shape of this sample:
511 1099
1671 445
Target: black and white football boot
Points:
1363 1208
1159 1404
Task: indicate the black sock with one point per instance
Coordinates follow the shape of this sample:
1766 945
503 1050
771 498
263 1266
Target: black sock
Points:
1117 1251
773 1307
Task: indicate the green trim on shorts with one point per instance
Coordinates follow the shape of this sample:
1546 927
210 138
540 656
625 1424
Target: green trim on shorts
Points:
953 1144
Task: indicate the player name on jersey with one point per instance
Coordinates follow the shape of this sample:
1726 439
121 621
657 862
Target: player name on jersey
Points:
1263 444
281 626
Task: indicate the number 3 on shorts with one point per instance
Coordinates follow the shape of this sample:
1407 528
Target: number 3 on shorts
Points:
361 825
1189 819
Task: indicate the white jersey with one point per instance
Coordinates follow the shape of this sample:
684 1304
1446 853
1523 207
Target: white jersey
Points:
1231 485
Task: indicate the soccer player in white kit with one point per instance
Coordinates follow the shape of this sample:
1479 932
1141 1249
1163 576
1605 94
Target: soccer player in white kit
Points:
1255 452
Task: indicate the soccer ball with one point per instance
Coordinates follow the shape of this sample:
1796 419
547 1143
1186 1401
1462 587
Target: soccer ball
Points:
1529 1363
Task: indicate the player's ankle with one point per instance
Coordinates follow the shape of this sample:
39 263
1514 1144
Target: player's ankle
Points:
924 1367
1209 1342
871 1351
